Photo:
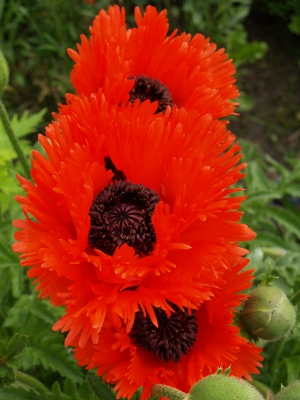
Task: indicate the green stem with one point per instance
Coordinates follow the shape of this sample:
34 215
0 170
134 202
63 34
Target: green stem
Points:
6 249
277 349
12 137
263 389
273 251
4 358
167 391
31 382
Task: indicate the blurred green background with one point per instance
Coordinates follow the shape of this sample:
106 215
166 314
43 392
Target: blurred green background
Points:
263 38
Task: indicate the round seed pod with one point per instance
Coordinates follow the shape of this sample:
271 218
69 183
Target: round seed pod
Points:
223 387
268 314
291 392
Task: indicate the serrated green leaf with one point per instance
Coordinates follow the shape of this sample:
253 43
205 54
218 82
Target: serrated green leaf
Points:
17 344
7 375
74 392
13 362
293 368
27 123
45 347
56 389
8 352
18 277
293 189
19 393
256 179
284 172
51 356
101 388
270 239
6 250
30 304
262 198
85 391
22 126
71 390
4 282
287 218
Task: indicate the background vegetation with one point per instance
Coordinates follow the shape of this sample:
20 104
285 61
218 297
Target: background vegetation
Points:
34 37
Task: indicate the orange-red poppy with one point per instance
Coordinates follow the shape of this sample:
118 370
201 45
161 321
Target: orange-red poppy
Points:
130 211
144 62
123 362
131 221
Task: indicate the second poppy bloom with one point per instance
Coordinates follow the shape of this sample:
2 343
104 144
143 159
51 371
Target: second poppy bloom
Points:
145 63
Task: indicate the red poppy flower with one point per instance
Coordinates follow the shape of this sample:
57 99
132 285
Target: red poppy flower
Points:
129 211
144 63
128 363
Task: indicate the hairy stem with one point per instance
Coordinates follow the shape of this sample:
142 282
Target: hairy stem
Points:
12 137
31 382
169 392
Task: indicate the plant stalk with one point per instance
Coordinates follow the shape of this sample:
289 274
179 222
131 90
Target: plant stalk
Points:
12 137
31 382
169 392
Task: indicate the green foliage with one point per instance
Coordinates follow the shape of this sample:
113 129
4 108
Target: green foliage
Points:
45 347
102 390
288 10
240 50
227 16
272 210
4 73
8 352
34 38
22 127
31 389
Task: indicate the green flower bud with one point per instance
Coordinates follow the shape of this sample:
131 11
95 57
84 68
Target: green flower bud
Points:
223 387
268 314
291 392
4 73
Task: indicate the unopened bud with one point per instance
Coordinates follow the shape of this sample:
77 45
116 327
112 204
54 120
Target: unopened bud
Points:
223 387
4 73
268 314
291 392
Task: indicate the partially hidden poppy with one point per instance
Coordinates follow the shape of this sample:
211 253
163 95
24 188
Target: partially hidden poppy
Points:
145 63
140 359
130 211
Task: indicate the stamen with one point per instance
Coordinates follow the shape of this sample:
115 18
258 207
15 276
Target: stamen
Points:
174 336
146 88
121 213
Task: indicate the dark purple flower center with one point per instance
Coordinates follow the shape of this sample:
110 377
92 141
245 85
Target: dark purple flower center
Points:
174 336
146 88
121 213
